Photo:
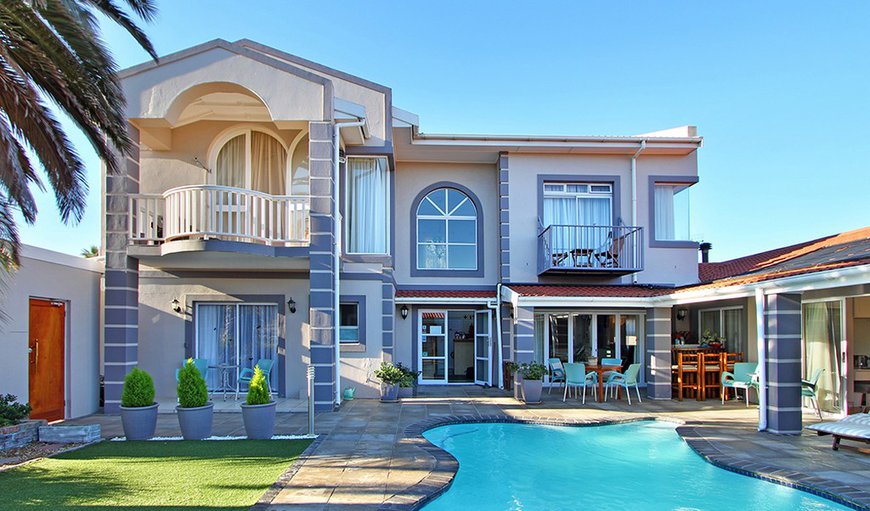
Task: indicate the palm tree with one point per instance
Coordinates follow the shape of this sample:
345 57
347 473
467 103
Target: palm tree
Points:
50 50
91 251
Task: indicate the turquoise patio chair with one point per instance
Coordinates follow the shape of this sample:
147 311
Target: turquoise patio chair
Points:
201 365
624 380
577 377
743 377
808 389
610 362
557 372
247 373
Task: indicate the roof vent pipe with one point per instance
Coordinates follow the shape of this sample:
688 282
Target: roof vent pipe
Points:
705 248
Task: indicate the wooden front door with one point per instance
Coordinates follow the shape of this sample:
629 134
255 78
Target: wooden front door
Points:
47 319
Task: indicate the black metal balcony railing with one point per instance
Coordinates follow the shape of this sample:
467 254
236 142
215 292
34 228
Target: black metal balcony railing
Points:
613 249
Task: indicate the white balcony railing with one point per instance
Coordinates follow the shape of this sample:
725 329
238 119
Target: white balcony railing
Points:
222 212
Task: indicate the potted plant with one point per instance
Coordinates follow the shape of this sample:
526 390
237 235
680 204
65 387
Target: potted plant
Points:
195 412
258 412
533 381
408 385
390 376
138 409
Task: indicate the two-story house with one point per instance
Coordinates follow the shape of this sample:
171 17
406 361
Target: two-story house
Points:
279 209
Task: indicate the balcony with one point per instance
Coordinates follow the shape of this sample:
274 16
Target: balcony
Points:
604 250
203 212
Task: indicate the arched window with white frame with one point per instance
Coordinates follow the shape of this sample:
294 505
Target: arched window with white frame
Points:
447 231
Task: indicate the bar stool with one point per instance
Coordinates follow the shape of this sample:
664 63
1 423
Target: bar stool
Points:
688 365
711 371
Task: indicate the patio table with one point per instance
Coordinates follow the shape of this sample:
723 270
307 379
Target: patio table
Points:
225 378
600 370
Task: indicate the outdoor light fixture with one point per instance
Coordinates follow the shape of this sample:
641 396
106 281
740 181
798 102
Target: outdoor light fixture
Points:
291 305
404 312
682 313
176 305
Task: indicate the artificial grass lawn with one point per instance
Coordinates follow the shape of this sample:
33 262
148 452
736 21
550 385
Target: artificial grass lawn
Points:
217 475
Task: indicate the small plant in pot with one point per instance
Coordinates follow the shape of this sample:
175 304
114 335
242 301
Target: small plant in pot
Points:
390 376
138 409
408 385
533 381
258 412
195 412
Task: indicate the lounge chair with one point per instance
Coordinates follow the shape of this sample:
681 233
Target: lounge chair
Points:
247 373
557 372
577 377
854 427
624 380
741 378
808 389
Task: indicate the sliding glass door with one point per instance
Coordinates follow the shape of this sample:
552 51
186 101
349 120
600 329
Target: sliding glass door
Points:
235 335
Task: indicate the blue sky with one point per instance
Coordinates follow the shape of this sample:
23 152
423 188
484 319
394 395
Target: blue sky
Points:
777 89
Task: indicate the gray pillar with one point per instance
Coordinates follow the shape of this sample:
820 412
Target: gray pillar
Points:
782 335
121 290
524 335
658 353
504 219
322 247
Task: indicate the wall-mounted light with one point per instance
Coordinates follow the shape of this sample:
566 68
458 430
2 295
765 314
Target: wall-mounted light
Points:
291 305
404 311
176 305
682 314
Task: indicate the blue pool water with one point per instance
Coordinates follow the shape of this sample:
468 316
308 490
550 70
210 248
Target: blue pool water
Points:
638 466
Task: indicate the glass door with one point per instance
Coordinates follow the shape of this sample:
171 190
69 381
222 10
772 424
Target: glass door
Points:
823 341
433 347
482 347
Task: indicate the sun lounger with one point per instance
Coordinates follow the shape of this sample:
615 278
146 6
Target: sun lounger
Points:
854 427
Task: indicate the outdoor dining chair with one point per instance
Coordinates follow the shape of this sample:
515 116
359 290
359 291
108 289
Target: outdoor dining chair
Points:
741 378
557 372
577 377
624 380
247 373
201 365
809 387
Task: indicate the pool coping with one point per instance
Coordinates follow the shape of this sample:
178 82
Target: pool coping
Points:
441 476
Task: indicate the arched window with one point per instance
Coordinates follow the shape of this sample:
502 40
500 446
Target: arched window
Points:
254 160
447 231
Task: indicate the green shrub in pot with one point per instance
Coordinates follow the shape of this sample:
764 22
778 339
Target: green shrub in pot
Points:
195 412
258 412
138 409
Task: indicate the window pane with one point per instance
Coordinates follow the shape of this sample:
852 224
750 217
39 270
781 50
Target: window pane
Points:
299 169
348 313
681 215
462 231
427 208
230 169
439 198
600 188
348 334
462 257
367 209
731 330
432 257
594 211
215 338
465 209
433 370
434 231
268 164
578 188
553 188
710 322
671 212
454 198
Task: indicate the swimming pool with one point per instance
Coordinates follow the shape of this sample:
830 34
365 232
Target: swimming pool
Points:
636 466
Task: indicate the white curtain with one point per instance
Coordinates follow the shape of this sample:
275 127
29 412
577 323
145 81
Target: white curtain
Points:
258 335
268 164
664 212
367 215
215 331
299 167
230 169
560 211
822 338
731 330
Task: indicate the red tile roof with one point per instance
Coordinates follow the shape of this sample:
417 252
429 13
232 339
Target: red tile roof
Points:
444 293
709 272
753 278
616 291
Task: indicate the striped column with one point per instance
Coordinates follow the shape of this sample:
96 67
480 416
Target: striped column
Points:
524 339
782 336
388 311
504 249
121 287
658 353
322 294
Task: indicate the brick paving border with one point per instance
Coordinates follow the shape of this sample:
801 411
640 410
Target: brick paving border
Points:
441 477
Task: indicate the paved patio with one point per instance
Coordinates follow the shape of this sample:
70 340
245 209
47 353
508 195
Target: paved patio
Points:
370 457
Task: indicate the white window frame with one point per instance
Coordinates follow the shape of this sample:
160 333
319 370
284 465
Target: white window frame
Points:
446 218
221 140
389 215
589 193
